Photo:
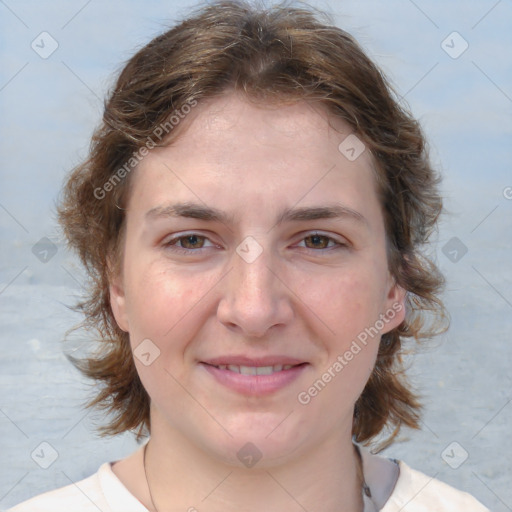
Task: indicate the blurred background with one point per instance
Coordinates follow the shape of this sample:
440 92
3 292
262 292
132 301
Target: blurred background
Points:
451 62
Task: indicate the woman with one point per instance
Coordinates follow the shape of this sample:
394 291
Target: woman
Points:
251 216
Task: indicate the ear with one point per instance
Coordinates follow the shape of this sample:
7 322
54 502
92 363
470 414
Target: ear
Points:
394 312
118 302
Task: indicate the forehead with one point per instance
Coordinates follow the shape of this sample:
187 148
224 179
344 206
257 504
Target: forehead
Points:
256 122
232 151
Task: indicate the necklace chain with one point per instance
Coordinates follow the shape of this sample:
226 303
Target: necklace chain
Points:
146 475
365 490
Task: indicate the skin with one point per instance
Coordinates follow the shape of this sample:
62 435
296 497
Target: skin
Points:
304 296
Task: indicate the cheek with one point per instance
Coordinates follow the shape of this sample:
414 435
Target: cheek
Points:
159 301
346 302
165 308
348 306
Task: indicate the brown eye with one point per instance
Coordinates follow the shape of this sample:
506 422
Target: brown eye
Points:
191 241
187 244
317 241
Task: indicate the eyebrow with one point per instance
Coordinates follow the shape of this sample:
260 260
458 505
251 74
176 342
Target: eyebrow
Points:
203 212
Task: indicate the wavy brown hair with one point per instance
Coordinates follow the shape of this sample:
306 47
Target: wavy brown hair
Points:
281 54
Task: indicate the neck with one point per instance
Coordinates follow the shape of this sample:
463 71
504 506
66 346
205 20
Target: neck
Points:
183 477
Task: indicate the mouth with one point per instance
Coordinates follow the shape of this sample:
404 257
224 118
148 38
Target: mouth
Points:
253 378
256 370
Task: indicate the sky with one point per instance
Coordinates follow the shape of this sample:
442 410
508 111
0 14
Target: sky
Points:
50 105
450 61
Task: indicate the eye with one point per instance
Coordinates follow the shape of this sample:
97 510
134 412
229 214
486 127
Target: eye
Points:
195 243
317 241
190 242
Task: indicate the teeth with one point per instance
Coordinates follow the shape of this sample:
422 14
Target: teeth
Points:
249 370
255 370
265 370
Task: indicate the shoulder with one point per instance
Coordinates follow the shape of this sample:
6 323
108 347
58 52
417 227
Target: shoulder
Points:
81 496
101 491
416 492
395 487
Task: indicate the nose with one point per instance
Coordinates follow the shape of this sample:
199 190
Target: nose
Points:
255 296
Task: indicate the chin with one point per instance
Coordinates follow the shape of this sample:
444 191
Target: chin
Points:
260 441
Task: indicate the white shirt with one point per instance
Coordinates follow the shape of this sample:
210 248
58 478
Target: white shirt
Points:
395 487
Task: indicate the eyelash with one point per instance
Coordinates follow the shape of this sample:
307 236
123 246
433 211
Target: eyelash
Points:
172 243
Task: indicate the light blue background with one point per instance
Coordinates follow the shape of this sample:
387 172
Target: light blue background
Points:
49 108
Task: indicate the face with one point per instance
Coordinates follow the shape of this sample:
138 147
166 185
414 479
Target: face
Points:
254 282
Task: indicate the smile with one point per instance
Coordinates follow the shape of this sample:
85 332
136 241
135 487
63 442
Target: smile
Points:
255 380
254 370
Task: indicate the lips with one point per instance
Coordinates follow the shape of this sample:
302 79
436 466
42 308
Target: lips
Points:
254 370
242 360
255 376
